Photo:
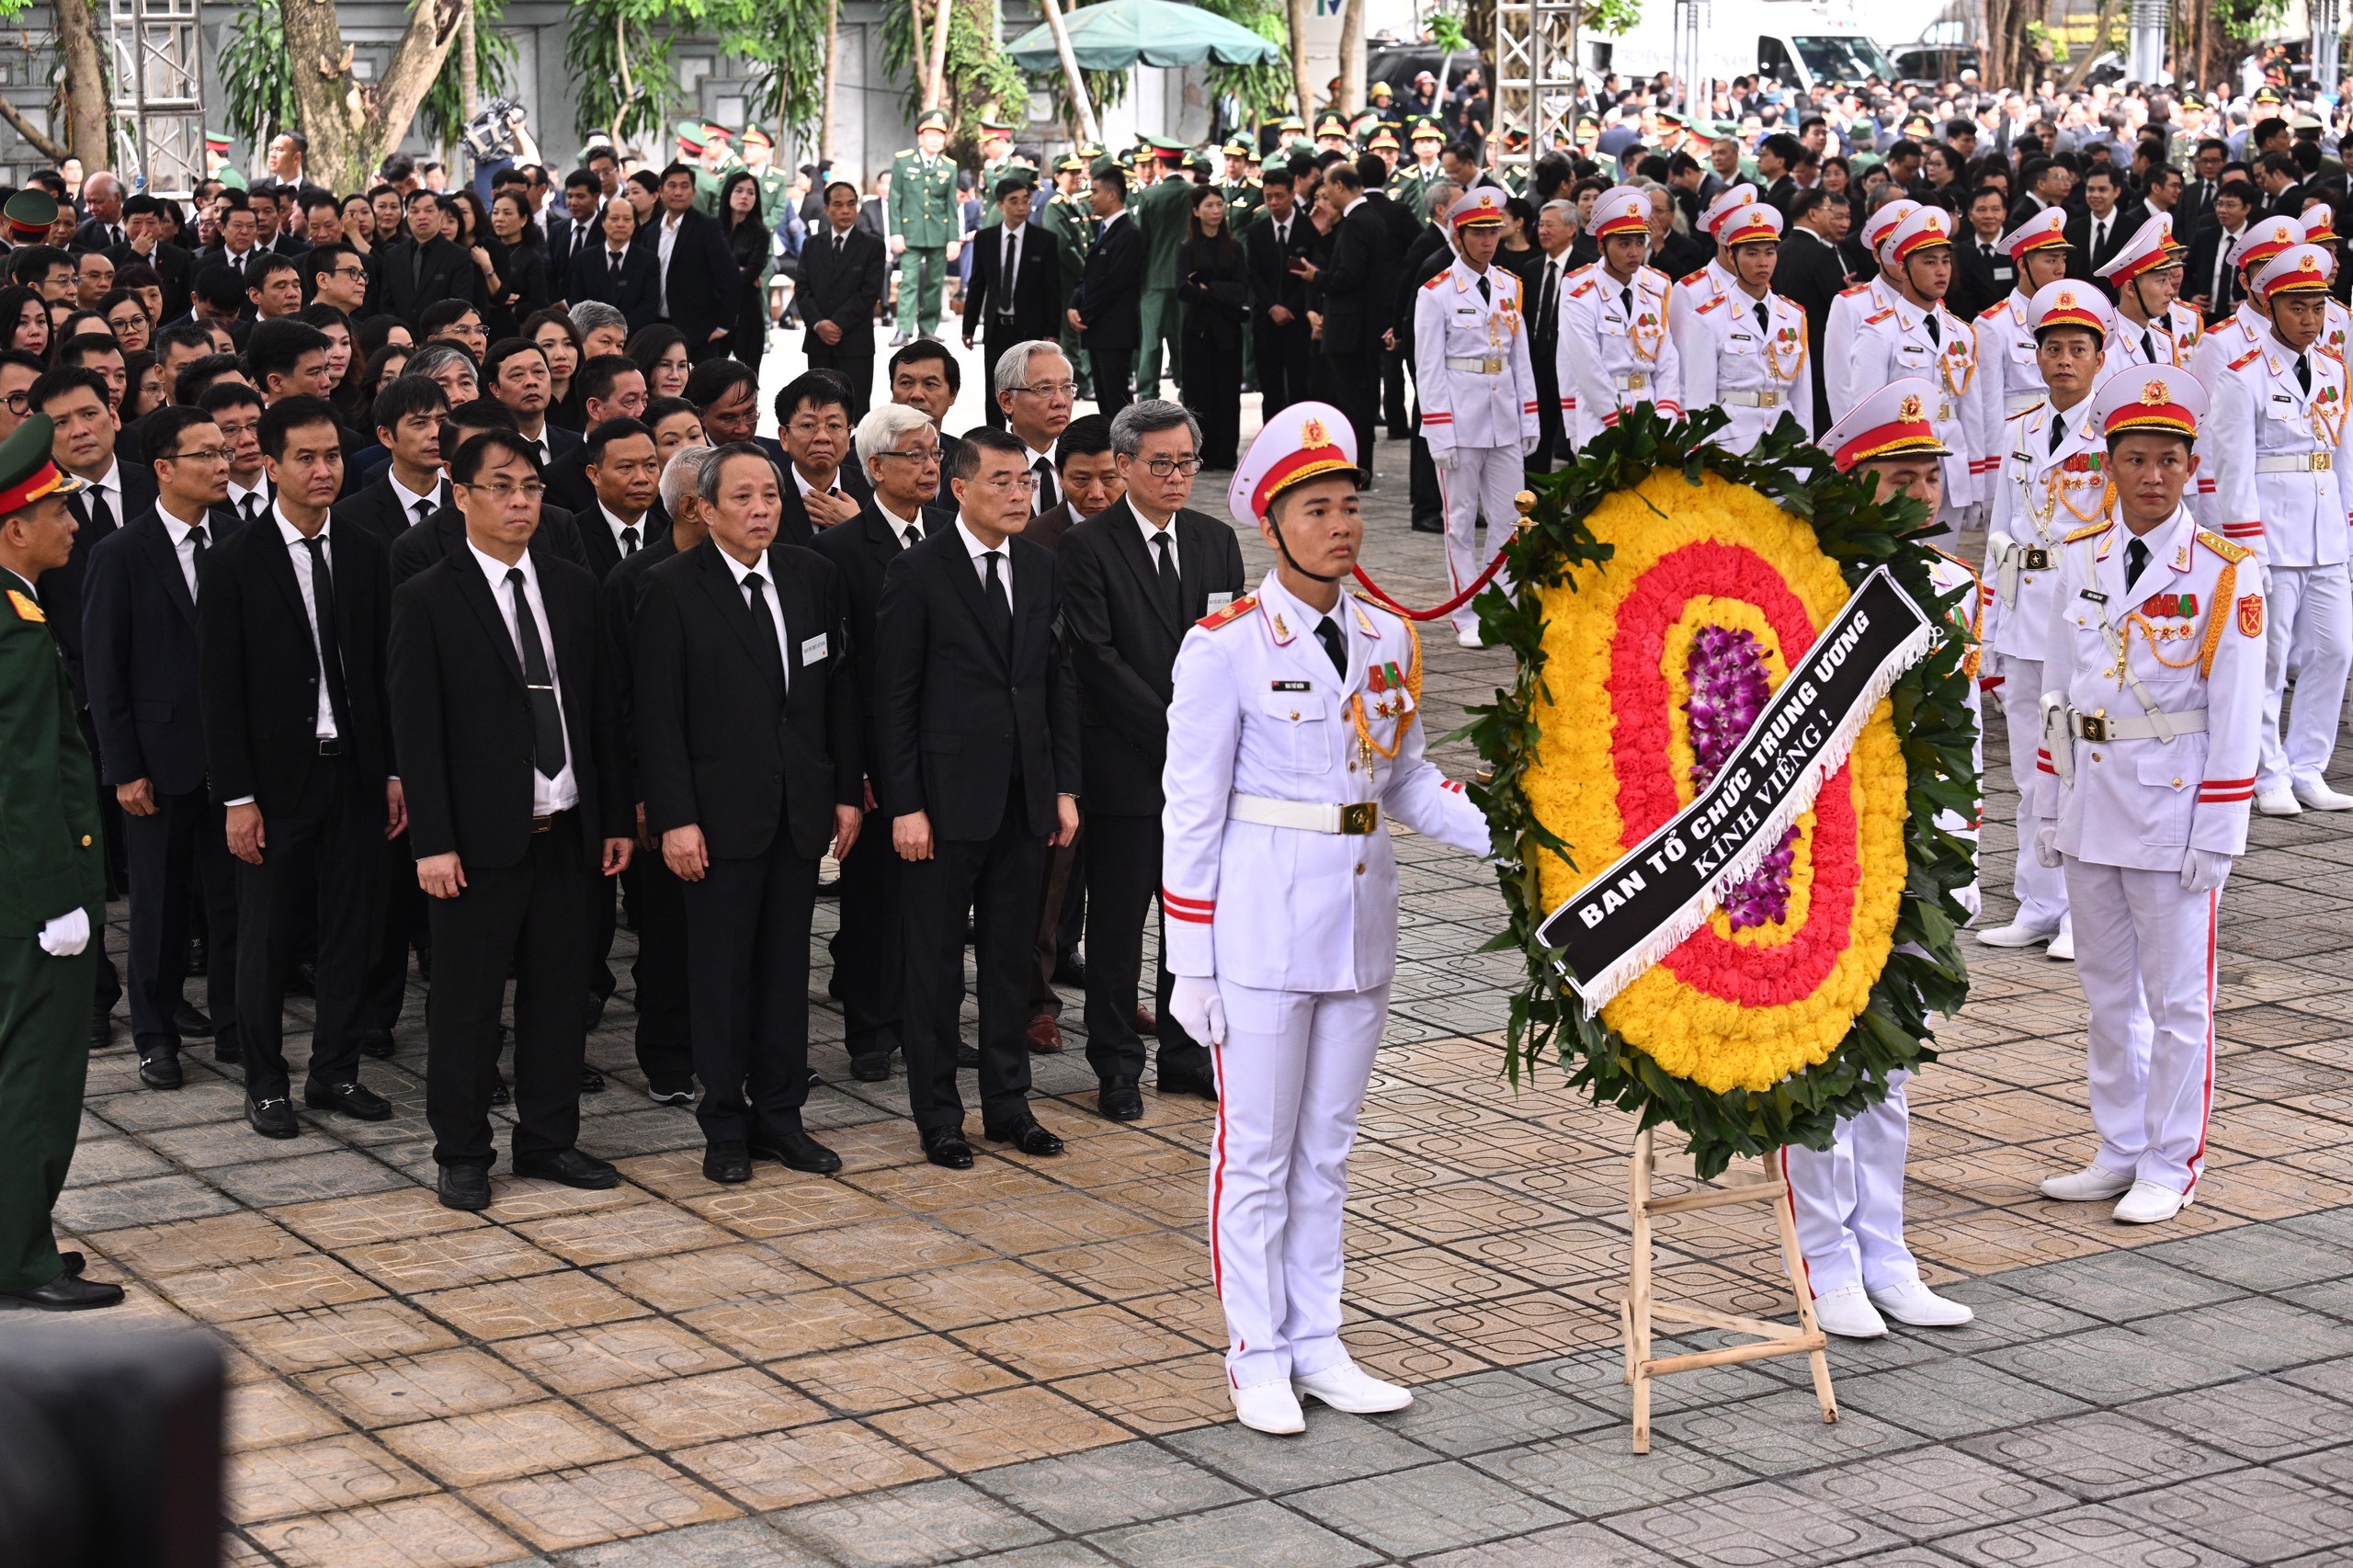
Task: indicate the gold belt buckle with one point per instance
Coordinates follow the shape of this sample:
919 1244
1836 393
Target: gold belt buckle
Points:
1491 366
2319 462
2037 560
2092 726
541 824
1944 411
1636 382
1769 398
1360 816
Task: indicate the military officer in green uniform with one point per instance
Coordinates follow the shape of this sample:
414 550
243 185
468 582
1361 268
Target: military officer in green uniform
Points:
924 225
1411 184
776 186
996 161
1161 212
1332 132
52 889
1382 142
1244 195
1514 170
216 160
1066 215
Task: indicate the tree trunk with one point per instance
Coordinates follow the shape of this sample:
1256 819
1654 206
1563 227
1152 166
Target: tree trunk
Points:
35 137
1302 83
832 82
1352 57
1076 83
934 82
351 125
469 63
85 89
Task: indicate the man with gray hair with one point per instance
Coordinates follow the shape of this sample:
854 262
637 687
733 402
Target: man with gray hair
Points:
602 328
1035 388
449 368
1135 577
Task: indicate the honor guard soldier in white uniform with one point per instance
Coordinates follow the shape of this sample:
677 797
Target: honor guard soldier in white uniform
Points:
1477 391
2246 328
1615 349
1848 1199
1914 337
1868 298
2278 443
1744 349
2153 326
1711 280
2153 694
2320 229
2039 250
2051 481
1294 735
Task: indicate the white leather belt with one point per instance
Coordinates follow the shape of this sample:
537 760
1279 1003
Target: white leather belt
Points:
1634 380
2302 463
2140 726
1491 366
1769 398
2018 402
1308 816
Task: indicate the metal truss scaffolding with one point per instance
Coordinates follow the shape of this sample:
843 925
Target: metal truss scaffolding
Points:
157 58
1536 76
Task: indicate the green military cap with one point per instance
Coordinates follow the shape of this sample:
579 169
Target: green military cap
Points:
1291 125
1168 151
26 472
1237 148
1669 117
754 137
994 127
1425 127
714 131
689 135
1104 163
1127 157
1330 123
2305 122
29 213
2267 94
216 141
1381 139
1091 152
1071 165
931 120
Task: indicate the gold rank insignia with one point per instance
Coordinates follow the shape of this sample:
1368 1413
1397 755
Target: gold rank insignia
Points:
25 607
2152 393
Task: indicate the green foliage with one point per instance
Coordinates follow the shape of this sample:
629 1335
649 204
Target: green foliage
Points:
1613 16
2253 20
980 73
256 74
618 54
1264 90
1446 31
1925 973
442 114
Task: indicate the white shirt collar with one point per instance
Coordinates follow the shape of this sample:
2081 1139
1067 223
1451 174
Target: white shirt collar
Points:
1014 231
495 569
975 549
294 535
1352 205
801 481
175 530
409 498
737 569
897 524
239 494
614 522
110 481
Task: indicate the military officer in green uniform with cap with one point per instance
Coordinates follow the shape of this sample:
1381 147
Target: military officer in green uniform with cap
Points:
216 160
996 161
924 225
1411 184
52 888
1161 212
776 186
1067 217
1244 195
29 215
1332 131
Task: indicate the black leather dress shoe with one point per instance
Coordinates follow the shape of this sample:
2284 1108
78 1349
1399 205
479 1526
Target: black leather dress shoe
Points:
1199 1084
872 1068
101 1028
463 1187
795 1150
161 1071
1071 970
591 1081
228 1053
377 1043
73 1261
945 1147
1429 525
1029 1137
572 1167
191 1024
66 1293
500 1094
355 1099
1119 1099
728 1161
272 1117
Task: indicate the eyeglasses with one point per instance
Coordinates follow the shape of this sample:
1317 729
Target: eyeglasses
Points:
1012 482
463 331
929 455
529 489
1051 389
19 403
197 455
1164 468
348 272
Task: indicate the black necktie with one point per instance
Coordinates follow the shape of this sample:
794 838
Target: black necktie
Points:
1486 292
101 522
424 509
628 540
547 718
2058 430
616 263
1765 318
2304 377
1000 612
579 240
764 626
1170 591
2136 561
329 648
2148 346
1048 496
197 545
1327 631
1626 300
1550 307
1936 332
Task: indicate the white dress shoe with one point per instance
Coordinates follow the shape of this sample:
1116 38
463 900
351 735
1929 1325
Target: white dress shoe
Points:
2017 934
1269 1407
2093 1184
1913 1303
2280 802
1849 1313
2318 796
2062 946
1348 1387
2148 1202
1468 637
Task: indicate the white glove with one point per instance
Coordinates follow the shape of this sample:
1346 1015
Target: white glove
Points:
70 933
2204 870
1199 1009
1527 444
1971 899
1442 459
2046 845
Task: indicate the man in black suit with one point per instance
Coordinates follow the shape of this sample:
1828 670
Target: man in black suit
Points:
749 746
1983 272
140 649
625 275
818 487
1016 292
610 387
102 230
173 263
979 731
2210 281
422 267
926 377
900 449
1135 578
2196 209
1812 273
1556 231
1359 283
1107 308
1281 339
291 630
574 231
502 717
696 281
514 371
407 416
2098 232
625 471
843 271
444 533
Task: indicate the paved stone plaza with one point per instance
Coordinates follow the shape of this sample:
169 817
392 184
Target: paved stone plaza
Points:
1020 1364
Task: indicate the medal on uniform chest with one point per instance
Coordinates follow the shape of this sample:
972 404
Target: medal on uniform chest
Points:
2328 413
1787 340
1954 357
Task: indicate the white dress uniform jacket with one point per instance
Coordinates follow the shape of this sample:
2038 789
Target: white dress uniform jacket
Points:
1755 369
1893 342
1615 349
2278 453
1471 366
2006 332
2042 494
2226 340
2166 340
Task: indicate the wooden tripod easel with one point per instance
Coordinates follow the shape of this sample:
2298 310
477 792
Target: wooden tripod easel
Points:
1638 1312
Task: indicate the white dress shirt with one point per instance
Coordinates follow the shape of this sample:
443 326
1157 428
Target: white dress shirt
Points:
300 554
976 550
562 792
1009 267
617 525
249 503
1152 550
109 487
767 596
411 500
808 487
183 537
666 241
908 532
1037 501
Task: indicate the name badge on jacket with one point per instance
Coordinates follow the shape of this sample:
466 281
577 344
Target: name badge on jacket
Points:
813 649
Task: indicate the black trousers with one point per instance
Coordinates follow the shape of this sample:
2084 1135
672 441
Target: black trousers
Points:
747 968
329 844
1393 394
868 946
1356 392
1114 377
858 369
1213 392
657 902
1286 357
1062 919
533 918
179 856
400 922
749 339
1123 886
1422 491
997 878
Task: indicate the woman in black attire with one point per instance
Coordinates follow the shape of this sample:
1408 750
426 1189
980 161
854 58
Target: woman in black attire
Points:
522 265
1216 295
749 242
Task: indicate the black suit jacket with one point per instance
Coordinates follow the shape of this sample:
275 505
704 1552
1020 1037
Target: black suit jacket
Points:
259 667
862 551
2085 258
444 534
794 527
2197 274
1035 298
374 507
601 550
842 289
140 652
960 717
567 482
705 284
1123 638
1359 282
559 251
1267 265
61 590
720 744
1979 281
632 289
461 716
172 264
1812 272
91 236
1109 297
401 285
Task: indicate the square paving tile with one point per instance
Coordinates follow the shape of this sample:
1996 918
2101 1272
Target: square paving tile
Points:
1247 1532
1955 1399
936 1521
1757 1524
2096 1535
1084 1493
2260 1516
2103 1454
1412 1512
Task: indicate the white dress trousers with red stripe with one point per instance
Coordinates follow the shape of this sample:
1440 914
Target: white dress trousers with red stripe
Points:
1300 929
2144 947
1477 395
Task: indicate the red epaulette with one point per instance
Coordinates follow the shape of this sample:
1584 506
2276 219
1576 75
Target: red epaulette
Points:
2249 357
1703 310
1874 321
1582 289
1231 613
1858 289
1438 279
